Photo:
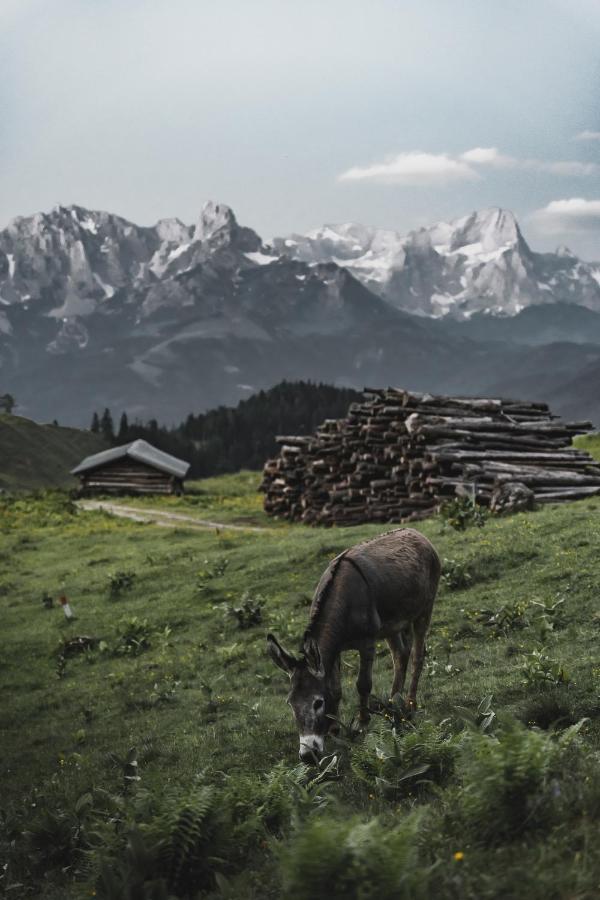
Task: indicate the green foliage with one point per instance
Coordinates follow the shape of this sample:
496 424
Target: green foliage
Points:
539 669
510 783
73 646
508 617
397 763
455 575
249 610
119 582
349 859
229 439
462 513
133 636
37 510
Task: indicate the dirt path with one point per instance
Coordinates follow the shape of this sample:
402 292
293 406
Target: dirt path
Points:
161 517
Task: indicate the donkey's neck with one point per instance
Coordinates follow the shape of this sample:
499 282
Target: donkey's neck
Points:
329 617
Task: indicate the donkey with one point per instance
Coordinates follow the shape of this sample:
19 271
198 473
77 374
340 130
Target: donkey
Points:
381 588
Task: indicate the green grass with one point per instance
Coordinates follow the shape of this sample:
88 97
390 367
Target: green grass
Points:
194 693
230 499
589 442
41 456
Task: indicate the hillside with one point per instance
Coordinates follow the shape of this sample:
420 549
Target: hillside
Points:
162 760
41 456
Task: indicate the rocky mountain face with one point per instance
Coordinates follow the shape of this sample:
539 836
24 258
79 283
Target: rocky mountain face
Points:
160 321
479 263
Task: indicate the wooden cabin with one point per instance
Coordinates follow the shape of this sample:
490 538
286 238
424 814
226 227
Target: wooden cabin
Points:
136 468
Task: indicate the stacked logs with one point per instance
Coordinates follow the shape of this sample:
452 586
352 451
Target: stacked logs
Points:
398 454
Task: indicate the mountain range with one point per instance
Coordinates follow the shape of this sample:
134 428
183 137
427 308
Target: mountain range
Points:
163 320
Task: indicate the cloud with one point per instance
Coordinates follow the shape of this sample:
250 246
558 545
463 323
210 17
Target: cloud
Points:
488 156
413 168
587 136
417 168
566 167
573 214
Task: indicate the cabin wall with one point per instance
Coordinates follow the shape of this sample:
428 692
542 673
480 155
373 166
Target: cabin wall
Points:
128 476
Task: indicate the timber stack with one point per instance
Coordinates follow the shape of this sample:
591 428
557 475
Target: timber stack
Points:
399 454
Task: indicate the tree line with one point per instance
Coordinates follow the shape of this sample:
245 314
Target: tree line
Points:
227 439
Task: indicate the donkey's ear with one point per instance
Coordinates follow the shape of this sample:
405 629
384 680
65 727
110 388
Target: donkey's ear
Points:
280 657
313 657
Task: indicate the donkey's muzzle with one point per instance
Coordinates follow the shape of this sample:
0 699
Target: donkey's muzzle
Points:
311 747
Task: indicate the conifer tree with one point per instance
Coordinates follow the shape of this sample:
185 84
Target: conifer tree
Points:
123 434
95 426
106 426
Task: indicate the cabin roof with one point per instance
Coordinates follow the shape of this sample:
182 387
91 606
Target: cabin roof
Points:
139 450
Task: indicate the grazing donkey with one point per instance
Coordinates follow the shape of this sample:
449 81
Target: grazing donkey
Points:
382 588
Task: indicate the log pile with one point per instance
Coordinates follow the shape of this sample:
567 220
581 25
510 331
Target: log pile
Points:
398 455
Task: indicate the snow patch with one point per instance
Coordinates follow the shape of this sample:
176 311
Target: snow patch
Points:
89 225
108 289
178 251
262 259
11 265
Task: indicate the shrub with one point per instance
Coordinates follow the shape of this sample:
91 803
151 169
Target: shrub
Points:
119 582
508 617
133 636
395 763
455 575
170 847
346 859
463 512
540 669
511 782
249 610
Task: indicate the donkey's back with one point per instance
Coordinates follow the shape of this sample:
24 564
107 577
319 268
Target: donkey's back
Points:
401 569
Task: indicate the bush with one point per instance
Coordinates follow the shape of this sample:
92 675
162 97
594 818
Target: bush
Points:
133 636
508 617
541 670
345 859
118 582
455 575
396 763
173 847
463 512
249 610
511 782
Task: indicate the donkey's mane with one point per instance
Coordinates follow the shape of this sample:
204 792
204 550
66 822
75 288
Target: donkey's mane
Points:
325 589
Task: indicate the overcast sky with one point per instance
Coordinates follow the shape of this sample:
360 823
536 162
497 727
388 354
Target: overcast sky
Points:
387 112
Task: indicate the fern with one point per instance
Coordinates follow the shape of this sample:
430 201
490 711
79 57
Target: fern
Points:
189 829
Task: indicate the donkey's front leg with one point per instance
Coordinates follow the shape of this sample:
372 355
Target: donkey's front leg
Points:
364 682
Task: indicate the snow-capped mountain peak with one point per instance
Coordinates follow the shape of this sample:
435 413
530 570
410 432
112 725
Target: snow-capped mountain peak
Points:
477 263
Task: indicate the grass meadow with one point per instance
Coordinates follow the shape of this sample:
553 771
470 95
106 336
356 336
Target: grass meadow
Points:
148 753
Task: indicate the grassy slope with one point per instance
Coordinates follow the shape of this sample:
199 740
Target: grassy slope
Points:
589 442
204 696
41 456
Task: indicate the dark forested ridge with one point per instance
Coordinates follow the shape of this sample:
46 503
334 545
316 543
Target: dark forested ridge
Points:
227 439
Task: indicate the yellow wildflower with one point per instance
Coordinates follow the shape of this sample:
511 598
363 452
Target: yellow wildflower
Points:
459 856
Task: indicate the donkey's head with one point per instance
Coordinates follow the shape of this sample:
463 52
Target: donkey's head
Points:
313 695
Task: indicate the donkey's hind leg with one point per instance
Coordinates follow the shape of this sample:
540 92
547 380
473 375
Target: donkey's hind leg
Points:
400 645
420 627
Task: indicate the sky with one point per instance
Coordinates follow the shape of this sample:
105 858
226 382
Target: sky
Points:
394 113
